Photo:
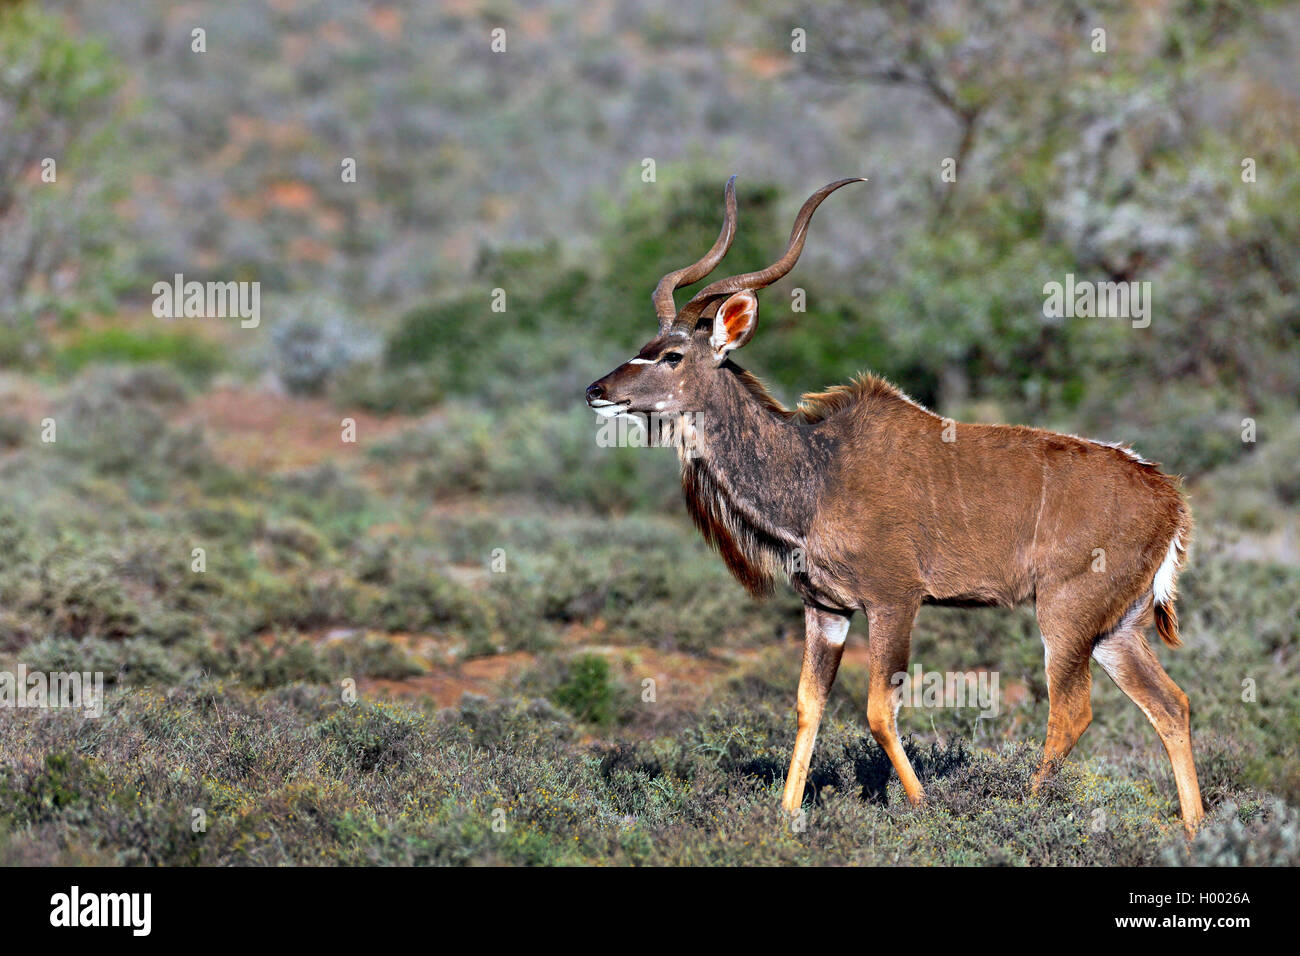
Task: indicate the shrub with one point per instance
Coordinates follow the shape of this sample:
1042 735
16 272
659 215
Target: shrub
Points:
188 354
420 600
313 345
1266 833
587 691
367 738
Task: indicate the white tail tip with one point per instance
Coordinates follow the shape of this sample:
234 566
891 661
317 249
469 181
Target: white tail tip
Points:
1163 587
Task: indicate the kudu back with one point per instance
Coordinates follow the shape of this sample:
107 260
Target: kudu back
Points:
868 502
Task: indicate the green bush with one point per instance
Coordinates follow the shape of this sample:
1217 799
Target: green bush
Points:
587 691
57 99
195 358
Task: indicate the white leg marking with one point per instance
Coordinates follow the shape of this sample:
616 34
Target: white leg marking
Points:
835 629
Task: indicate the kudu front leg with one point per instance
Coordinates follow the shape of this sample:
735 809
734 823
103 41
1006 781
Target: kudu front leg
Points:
1066 648
823 646
890 639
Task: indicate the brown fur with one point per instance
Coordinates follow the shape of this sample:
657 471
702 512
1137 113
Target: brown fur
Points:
751 556
875 413
1000 515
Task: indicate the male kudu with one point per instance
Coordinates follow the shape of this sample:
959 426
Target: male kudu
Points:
871 503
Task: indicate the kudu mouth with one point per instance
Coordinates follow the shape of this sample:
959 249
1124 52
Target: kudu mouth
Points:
607 408
601 403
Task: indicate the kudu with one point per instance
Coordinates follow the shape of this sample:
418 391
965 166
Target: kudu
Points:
869 502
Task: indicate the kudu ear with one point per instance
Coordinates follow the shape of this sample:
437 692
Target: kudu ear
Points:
734 323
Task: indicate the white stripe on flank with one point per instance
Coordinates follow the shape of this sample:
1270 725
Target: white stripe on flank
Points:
1163 588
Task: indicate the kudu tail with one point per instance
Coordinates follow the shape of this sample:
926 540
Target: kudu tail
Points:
1167 624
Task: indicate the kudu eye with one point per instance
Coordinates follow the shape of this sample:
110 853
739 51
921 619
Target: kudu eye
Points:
672 358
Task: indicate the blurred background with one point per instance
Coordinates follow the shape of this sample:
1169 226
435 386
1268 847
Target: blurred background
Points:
474 558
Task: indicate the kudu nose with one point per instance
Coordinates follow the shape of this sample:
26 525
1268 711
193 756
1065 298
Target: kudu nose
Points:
594 391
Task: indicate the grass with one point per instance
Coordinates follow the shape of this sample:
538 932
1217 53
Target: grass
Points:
297 776
229 688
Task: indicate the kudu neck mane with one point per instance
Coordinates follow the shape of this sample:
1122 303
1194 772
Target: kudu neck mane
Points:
758 472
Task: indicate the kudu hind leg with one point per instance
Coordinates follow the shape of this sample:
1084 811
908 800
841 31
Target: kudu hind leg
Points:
1127 657
890 641
823 646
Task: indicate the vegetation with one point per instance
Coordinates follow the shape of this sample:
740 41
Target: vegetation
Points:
475 635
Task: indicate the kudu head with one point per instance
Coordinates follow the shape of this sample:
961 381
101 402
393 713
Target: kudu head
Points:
671 371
